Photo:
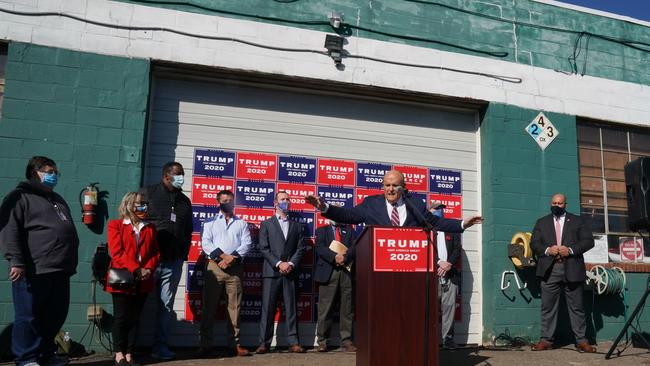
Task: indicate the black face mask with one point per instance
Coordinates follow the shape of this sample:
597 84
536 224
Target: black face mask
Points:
227 207
557 210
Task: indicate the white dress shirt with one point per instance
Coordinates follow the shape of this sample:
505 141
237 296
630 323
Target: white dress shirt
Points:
230 237
401 210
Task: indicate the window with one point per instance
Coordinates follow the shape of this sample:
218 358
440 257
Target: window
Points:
3 62
603 151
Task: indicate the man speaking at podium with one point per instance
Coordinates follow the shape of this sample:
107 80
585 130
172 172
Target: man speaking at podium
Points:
390 209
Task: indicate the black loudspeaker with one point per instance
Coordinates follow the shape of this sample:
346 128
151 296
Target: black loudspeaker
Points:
637 187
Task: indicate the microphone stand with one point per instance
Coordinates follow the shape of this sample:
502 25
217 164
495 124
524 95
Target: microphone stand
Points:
428 229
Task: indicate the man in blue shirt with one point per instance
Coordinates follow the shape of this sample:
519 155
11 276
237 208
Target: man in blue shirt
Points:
225 241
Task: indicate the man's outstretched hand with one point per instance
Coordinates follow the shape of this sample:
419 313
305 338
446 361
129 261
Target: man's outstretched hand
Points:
315 201
467 223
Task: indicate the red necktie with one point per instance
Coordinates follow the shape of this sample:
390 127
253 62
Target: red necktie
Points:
337 234
558 232
394 216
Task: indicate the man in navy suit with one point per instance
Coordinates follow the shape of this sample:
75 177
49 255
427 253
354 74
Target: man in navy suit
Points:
333 276
558 240
281 245
448 254
390 209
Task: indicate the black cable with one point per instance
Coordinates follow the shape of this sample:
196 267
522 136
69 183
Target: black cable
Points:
161 29
637 45
236 13
420 39
509 79
254 44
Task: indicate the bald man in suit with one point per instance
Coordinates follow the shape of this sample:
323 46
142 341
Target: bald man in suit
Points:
559 240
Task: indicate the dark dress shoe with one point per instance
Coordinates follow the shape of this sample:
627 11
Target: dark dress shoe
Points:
322 348
204 353
585 347
241 351
296 348
542 346
261 350
348 347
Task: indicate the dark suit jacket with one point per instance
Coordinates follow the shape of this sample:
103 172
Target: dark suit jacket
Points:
274 247
326 258
575 234
452 242
373 211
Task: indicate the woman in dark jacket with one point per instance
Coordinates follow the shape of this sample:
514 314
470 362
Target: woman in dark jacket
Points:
133 247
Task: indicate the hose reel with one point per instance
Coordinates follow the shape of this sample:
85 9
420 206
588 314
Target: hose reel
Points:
520 251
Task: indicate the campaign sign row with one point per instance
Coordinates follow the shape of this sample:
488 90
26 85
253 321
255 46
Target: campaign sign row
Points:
246 165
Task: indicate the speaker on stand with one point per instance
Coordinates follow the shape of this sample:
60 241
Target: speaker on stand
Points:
637 187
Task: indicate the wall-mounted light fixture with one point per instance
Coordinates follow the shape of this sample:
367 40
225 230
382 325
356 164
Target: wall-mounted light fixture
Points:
336 19
334 45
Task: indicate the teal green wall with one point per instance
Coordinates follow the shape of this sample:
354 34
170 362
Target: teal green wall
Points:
87 113
452 21
518 180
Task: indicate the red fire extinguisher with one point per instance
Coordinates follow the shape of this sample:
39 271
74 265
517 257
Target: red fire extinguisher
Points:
88 201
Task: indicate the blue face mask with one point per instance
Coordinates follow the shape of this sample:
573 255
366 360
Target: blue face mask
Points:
283 206
177 181
50 179
439 212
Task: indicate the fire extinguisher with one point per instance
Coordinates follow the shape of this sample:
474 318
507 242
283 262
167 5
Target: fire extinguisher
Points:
88 201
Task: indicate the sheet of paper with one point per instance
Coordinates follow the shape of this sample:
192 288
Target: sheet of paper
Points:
597 254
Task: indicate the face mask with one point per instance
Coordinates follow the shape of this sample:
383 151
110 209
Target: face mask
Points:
439 212
49 179
283 206
557 210
177 181
227 207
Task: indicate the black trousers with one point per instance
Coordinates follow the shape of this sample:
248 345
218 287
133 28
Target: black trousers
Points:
126 309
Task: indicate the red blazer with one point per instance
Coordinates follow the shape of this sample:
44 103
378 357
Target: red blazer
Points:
122 247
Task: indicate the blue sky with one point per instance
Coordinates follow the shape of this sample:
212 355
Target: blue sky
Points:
639 9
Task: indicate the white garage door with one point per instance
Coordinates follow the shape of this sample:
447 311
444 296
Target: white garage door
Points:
227 115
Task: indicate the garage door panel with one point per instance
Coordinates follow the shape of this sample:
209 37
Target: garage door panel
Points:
215 114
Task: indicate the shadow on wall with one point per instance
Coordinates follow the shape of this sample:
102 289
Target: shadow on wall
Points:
597 307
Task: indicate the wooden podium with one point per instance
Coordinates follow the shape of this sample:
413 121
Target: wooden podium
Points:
390 298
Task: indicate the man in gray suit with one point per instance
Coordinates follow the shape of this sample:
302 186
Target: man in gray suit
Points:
281 245
558 240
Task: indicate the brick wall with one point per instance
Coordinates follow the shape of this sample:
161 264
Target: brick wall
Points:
87 112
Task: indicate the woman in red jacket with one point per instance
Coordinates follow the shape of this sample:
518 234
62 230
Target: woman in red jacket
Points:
133 246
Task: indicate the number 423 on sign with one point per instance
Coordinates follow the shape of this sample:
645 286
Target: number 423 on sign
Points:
542 130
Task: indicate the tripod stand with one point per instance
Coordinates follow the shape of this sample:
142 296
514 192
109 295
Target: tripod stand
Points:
629 324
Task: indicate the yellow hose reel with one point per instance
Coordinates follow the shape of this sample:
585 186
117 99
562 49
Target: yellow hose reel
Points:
519 250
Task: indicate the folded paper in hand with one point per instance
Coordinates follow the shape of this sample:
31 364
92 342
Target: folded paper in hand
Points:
340 248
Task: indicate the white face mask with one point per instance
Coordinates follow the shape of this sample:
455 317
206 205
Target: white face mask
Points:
177 181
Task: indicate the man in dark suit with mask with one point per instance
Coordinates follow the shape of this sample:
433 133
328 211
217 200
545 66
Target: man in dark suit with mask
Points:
333 274
448 254
559 240
390 209
281 245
